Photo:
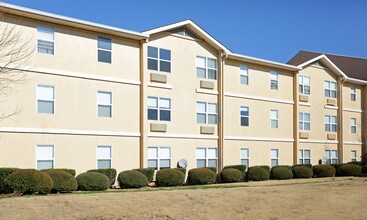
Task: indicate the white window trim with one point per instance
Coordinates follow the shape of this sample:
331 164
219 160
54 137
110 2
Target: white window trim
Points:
110 105
159 59
244 74
301 83
274 119
97 158
53 41
303 121
274 158
353 157
207 113
274 73
53 100
206 156
53 154
353 93
303 154
245 158
331 157
353 125
330 89
207 67
161 158
158 108
106 50
330 123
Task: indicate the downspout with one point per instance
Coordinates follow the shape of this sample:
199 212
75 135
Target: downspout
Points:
142 106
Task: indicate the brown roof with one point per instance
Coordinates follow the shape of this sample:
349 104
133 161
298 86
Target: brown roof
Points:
353 67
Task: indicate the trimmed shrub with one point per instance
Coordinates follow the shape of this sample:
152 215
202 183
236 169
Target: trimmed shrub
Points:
364 169
69 171
281 172
323 171
302 172
359 163
304 165
109 172
214 169
336 166
4 172
257 173
62 181
241 168
148 173
170 177
183 170
349 170
266 167
132 179
92 181
201 176
29 181
231 175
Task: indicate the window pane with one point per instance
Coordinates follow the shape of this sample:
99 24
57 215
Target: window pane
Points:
166 163
165 103
165 54
244 70
104 98
212 163
201 118
212 119
244 153
200 72
45 33
274 162
212 153
307 90
104 56
152 114
274 75
46 107
334 153
274 153
244 111
307 154
164 152
274 114
200 153
200 163
165 66
45 152
307 117
45 47
104 43
307 126
45 164
104 164
300 124
212 108
244 121
333 85
274 85
327 127
306 81
45 92
104 111
327 153
212 74
307 161
327 93
152 152
165 115
333 94
201 107
200 62
245 162
153 164
334 161
153 102
152 64
244 80
103 152
212 63
153 52
274 124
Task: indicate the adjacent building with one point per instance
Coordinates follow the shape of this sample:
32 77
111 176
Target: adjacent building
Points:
98 96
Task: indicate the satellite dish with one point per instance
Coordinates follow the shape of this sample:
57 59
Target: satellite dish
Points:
182 163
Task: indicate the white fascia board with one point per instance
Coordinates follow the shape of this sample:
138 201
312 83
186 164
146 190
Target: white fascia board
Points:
357 81
328 63
15 8
262 62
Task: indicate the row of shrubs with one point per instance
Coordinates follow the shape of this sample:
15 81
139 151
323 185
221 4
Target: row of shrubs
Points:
30 181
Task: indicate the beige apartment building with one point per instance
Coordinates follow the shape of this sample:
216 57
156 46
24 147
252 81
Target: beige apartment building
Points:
98 96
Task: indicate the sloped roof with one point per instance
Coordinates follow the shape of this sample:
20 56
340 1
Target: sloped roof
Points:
353 67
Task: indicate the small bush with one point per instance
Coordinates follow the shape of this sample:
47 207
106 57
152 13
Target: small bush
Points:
336 166
109 172
257 173
201 176
90 181
132 179
281 172
304 165
62 181
349 170
266 167
4 172
324 171
69 171
148 173
364 169
183 170
231 175
29 181
302 172
214 169
170 177
359 163
241 168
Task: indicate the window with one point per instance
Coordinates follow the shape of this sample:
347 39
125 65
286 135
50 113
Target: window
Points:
104 49
331 156
274 118
304 156
304 121
304 85
330 123
274 80
206 113
45 157
245 158
45 99
104 157
159 158
159 59
330 89
245 116
104 104
45 40
353 125
206 68
353 155
159 109
206 157
353 95
274 157
244 74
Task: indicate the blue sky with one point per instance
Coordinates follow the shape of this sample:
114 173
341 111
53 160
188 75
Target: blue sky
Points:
272 29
